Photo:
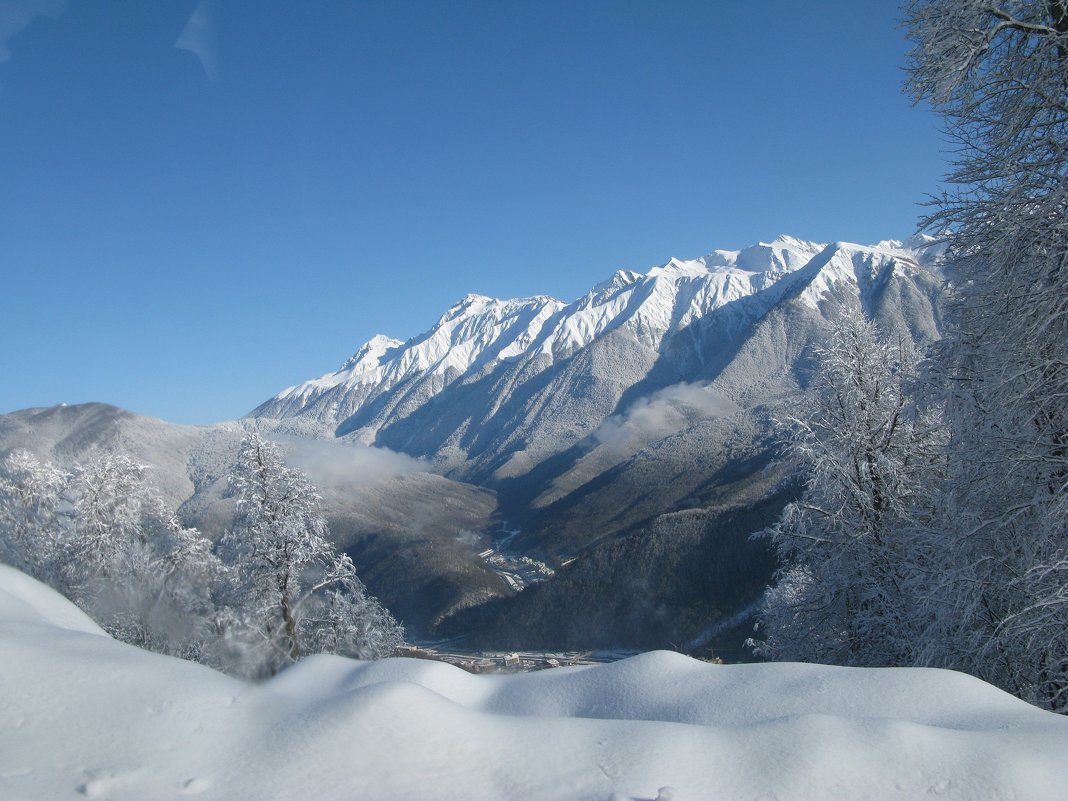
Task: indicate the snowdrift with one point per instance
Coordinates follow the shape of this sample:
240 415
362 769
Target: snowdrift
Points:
82 715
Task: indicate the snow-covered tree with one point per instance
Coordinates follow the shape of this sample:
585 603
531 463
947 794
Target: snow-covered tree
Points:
32 515
146 578
998 72
298 594
347 620
112 502
848 545
102 535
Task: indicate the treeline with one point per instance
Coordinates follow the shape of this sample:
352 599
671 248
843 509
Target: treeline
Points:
270 591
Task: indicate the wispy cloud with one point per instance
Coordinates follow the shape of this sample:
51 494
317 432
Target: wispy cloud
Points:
662 414
200 37
339 464
17 14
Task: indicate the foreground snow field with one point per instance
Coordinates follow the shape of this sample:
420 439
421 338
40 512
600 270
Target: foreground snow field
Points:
82 715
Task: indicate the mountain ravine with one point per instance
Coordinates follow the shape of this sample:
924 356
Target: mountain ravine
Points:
626 440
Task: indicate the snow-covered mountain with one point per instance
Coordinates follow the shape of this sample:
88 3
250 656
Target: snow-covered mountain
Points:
632 428
509 349
495 387
626 438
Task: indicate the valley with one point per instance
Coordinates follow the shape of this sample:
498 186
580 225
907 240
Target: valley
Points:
628 441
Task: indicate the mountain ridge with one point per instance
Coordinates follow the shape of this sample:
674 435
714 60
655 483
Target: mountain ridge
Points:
387 381
629 432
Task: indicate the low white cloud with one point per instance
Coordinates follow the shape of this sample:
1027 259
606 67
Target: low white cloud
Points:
665 412
339 464
200 37
17 14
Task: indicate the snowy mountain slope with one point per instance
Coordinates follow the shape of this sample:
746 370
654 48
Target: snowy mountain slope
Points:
575 423
86 716
479 331
65 434
495 387
652 393
400 521
498 388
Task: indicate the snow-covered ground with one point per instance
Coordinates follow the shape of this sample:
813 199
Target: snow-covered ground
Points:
82 715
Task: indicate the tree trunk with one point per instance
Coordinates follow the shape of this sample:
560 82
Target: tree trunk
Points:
290 621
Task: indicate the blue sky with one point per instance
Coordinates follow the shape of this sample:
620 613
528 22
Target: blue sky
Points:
202 203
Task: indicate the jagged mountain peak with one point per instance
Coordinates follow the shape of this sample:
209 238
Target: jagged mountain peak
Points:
506 343
783 254
620 279
465 317
371 353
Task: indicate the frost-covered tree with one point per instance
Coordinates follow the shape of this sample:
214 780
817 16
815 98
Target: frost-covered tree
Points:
102 535
998 72
848 546
129 562
33 515
112 502
298 594
347 620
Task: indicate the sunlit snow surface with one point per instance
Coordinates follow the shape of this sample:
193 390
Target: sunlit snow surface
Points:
478 330
84 716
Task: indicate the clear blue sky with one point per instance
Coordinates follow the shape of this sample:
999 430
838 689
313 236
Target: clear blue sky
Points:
202 203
